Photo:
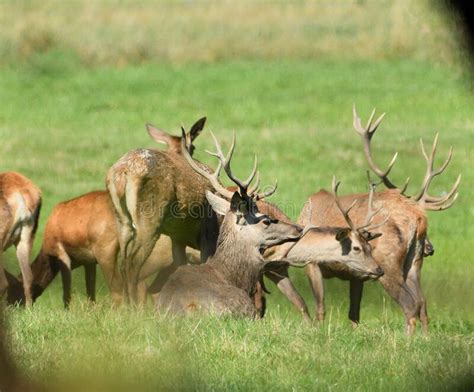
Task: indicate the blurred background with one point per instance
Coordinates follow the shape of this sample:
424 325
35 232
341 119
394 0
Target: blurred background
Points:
79 79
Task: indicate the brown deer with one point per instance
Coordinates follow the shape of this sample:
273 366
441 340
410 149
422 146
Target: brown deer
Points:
404 243
344 248
226 283
155 192
82 233
20 205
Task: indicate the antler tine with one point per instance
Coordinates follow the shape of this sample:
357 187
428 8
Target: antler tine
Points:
243 185
345 212
366 135
212 178
371 213
250 178
423 196
449 195
268 192
442 205
404 189
255 188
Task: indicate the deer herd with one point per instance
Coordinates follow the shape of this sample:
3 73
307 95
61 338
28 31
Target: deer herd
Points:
166 227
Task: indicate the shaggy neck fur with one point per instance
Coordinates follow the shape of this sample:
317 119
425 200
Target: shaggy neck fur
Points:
241 264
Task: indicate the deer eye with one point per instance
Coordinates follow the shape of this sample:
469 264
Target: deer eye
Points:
266 221
356 249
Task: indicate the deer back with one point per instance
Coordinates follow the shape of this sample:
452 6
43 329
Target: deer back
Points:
166 189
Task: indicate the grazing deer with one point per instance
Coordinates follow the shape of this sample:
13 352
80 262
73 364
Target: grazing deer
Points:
226 283
404 243
82 233
154 192
20 205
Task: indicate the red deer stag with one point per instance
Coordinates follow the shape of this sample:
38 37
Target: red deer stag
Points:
226 283
154 192
20 205
344 247
345 250
82 233
404 243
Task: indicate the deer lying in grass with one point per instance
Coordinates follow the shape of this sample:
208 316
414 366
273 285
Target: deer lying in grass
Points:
226 283
20 204
82 232
404 243
156 192
329 243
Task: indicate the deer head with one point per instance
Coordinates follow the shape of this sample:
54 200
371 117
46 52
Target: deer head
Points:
254 229
174 142
250 228
342 249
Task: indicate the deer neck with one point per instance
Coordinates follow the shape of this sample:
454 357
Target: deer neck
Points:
319 246
240 265
44 272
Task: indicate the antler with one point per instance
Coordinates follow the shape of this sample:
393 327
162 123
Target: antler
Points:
214 177
431 202
366 135
371 213
345 212
224 162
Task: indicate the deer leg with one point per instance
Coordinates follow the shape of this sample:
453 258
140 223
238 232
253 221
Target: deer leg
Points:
142 247
259 300
65 268
142 291
413 282
356 288
315 278
404 296
107 258
90 274
125 238
23 254
3 278
281 278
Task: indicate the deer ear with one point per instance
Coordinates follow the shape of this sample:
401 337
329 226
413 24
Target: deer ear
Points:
197 128
342 234
237 204
218 204
158 135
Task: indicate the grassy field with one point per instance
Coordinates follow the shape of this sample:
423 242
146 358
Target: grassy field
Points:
63 126
78 81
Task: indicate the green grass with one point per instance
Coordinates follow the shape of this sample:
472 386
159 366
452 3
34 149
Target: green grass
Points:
63 126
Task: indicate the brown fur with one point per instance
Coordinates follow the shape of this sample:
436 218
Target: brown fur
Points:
320 247
228 281
20 205
151 192
82 233
399 251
